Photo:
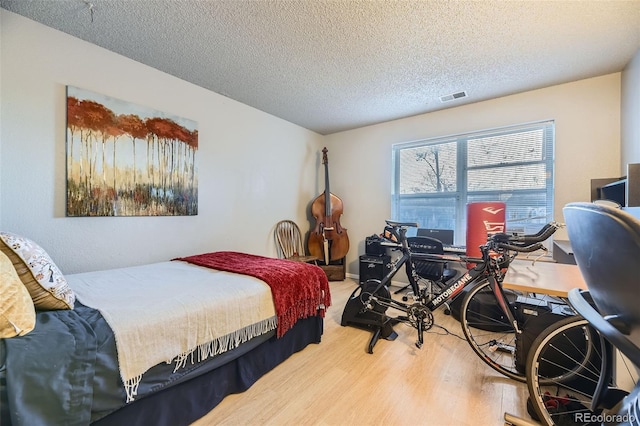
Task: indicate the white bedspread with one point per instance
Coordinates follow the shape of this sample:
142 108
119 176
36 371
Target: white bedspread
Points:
171 310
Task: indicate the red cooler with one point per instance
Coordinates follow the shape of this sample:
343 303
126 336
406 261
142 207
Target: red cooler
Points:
483 219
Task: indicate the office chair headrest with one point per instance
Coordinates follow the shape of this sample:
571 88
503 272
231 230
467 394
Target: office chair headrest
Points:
606 246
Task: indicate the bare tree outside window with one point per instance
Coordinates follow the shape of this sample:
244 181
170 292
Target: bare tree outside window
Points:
429 169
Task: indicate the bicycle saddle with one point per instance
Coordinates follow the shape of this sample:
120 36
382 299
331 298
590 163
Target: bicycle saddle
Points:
401 224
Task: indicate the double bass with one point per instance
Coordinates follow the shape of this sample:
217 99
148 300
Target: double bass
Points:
328 240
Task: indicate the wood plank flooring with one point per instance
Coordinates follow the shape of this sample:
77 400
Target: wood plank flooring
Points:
338 383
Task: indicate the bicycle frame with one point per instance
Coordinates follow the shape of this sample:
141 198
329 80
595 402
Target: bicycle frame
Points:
492 266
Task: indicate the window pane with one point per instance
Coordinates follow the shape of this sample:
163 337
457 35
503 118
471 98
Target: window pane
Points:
505 149
428 169
530 176
436 213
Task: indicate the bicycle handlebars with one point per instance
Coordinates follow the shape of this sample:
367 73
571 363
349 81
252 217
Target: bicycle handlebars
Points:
522 249
520 243
523 243
545 232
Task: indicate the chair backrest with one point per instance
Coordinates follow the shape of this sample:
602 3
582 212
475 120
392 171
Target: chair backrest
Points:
606 246
429 270
289 239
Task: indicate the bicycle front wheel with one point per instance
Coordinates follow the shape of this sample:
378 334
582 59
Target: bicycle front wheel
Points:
488 331
563 368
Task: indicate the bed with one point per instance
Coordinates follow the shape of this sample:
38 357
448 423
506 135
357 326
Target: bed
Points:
158 344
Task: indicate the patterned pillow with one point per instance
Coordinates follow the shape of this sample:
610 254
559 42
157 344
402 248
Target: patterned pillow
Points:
17 314
44 281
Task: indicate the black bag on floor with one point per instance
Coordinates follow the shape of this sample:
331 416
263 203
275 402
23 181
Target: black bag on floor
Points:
535 315
485 306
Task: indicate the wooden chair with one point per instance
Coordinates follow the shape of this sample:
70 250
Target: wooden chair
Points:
289 242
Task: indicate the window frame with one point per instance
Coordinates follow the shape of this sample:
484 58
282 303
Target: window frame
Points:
462 170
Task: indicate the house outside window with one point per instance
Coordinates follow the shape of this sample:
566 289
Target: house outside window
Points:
435 178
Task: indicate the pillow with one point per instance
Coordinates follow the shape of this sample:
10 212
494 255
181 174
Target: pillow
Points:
42 278
17 314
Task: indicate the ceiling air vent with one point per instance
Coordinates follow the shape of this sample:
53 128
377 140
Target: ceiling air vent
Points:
453 96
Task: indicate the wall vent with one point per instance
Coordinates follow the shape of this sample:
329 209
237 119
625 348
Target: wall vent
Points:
453 96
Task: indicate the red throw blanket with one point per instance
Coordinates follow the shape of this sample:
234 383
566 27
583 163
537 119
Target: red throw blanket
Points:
299 289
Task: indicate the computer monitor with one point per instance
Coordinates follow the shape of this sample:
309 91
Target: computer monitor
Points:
444 235
615 191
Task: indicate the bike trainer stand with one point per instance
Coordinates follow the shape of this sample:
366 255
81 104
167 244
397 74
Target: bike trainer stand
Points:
357 315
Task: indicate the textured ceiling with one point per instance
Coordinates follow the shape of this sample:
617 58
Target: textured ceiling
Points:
337 65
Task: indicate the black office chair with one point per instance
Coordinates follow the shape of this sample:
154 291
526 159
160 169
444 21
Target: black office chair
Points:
437 272
606 246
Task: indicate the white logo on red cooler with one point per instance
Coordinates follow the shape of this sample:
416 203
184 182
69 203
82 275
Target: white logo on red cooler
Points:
492 210
493 227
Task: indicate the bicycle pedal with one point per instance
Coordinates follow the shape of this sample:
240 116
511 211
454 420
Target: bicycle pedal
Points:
501 347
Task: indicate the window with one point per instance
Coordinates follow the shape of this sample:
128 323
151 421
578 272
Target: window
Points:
434 179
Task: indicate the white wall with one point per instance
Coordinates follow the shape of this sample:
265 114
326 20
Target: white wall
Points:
630 120
587 118
254 168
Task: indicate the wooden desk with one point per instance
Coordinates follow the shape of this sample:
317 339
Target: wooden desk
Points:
555 279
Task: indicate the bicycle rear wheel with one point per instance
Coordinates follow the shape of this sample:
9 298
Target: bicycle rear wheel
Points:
563 368
489 332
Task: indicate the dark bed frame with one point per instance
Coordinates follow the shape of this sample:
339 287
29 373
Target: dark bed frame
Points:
186 402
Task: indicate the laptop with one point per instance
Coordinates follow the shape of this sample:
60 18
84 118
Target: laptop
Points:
444 235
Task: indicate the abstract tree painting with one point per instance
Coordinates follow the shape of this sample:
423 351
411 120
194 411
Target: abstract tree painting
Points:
128 160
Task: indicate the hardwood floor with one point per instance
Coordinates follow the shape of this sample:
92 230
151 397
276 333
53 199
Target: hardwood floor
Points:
338 383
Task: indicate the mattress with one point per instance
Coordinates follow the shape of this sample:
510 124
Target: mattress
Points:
72 357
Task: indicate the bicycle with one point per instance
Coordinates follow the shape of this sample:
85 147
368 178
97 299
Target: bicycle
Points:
584 370
492 337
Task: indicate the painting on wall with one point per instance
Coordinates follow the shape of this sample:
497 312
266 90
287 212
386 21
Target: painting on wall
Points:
127 160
